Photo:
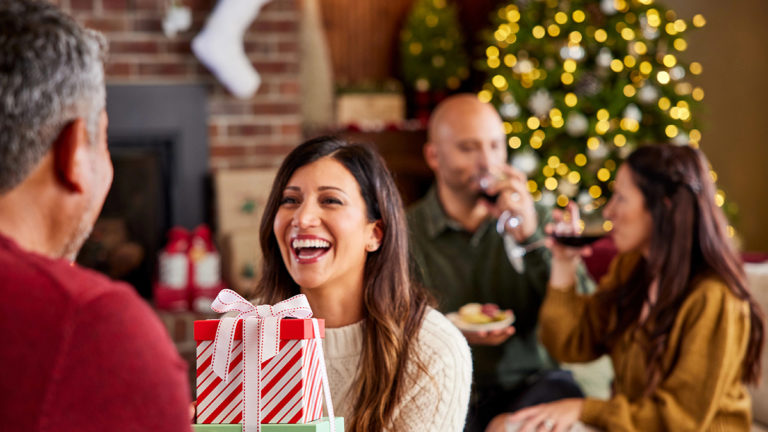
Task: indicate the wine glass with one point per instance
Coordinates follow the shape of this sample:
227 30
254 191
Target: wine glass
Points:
506 224
591 227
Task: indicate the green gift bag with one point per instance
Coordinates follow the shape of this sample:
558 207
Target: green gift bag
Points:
321 425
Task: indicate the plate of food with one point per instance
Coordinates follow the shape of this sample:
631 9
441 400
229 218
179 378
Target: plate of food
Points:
476 317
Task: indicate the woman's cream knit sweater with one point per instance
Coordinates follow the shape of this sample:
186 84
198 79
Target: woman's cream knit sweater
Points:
431 403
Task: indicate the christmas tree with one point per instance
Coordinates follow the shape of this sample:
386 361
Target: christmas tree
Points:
581 83
432 47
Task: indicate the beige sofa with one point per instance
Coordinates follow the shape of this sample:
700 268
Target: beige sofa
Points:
757 277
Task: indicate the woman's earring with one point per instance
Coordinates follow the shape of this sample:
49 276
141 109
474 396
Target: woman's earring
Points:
370 247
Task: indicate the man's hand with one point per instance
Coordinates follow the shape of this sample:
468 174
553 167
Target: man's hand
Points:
490 338
512 188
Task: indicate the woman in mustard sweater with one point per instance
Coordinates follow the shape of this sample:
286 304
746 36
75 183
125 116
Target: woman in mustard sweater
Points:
674 313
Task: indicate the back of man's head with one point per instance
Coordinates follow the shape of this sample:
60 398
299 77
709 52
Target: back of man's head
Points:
51 72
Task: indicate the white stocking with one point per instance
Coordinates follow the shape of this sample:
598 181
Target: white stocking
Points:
219 45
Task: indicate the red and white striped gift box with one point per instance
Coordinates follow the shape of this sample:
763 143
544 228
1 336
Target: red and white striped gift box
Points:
291 381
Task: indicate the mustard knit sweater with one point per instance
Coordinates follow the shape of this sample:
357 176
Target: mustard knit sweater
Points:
701 388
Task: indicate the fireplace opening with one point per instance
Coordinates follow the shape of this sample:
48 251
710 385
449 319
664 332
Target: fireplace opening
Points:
158 141
136 215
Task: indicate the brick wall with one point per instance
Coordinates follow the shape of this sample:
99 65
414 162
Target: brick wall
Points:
242 133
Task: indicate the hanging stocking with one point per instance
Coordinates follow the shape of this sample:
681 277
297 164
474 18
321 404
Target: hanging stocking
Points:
219 46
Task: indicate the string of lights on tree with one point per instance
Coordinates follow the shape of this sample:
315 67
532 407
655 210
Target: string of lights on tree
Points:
580 84
432 47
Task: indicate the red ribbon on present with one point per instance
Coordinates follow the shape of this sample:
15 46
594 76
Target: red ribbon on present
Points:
262 321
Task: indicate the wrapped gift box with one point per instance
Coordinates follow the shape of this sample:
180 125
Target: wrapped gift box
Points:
291 380
322 425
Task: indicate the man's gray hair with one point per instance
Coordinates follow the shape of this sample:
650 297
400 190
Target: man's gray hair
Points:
51 72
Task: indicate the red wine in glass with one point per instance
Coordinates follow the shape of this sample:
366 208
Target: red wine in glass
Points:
485 181
488 197
577 240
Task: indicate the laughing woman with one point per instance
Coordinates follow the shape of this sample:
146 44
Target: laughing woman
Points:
674 313
333 229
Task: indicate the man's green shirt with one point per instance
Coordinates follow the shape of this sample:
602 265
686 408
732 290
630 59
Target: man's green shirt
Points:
460 267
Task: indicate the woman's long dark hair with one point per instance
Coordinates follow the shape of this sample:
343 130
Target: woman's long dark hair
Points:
689 240
394 307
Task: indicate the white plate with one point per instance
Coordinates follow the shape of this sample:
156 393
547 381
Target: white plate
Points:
472 327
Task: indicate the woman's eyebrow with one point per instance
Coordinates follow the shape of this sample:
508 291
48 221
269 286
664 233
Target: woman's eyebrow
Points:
322 188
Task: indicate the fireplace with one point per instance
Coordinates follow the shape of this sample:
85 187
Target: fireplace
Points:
159 145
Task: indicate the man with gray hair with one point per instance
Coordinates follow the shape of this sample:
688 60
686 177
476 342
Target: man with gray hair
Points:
78 352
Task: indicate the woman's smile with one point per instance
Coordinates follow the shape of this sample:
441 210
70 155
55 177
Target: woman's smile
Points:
308 249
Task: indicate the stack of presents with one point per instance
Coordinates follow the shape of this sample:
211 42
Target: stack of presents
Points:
262 370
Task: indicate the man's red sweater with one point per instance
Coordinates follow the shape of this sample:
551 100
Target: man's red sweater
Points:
79 352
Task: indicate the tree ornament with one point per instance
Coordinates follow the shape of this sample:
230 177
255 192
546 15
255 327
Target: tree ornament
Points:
604 57
540 103
648 94
588 85
677 73
608 7
583 199
599 152
567 188
526 161
633 112
548 199
509 110
576 124
681 139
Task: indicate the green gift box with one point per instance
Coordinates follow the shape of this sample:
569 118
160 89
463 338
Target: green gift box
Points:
321 425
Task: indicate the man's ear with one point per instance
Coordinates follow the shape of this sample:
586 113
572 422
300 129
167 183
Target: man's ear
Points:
430 155
70 153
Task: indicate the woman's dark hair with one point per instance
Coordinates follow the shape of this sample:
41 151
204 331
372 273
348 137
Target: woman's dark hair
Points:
394 307
689 239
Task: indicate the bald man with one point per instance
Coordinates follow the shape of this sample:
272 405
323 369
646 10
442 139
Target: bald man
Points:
462 257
